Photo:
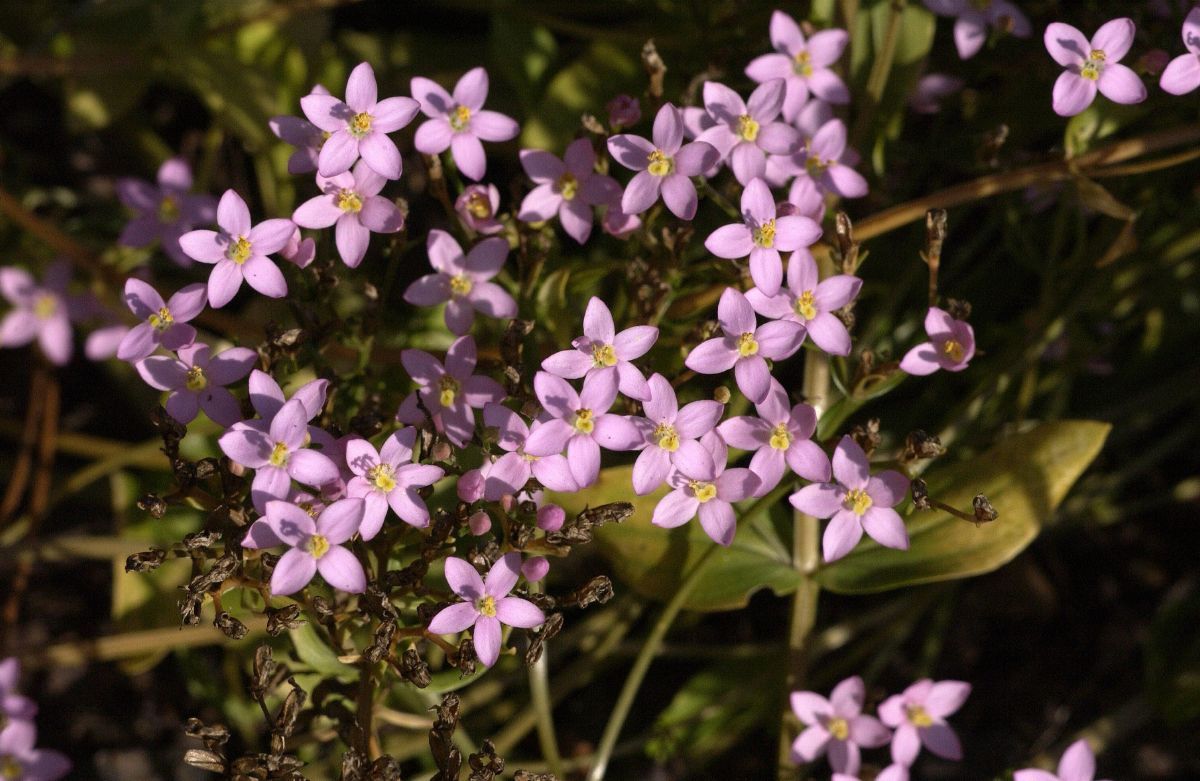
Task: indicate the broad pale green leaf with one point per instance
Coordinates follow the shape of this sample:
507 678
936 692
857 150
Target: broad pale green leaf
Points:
313 651
1025 477
653 561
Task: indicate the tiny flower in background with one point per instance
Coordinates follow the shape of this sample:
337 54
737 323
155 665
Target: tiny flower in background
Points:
352 202
1182 74
239 251
663 167
704 487
197 381
761 237
1093 65
623 111
973 18
386 477
463 282
508 474
42 312
568 188
1078 763
459 122
931 90
744 132
918 717
745 346
601 350
804 64
315 546
452 392
477 207
617 223
804 199
165 212
855 502
665 428
164 323
837 727
302 134
13 706
951 345
298 251
21 760
360 125
486 605
102 343
811 303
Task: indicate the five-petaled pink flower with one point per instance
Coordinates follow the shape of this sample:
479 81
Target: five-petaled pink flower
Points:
315 546
1078 763
665 429
166 211
508 474
486 604
745 346
743 132
386 477
42 312
21 760
974 17
360 125
803 63
239 251
463 282
459 122
352 202
826 160
1182 74
703 486
197 381
451 392
918 715
164 323
663 167
477 206
568 188
761 236
1092 65
306 137
951 345
857 501
602 350
811 303
836 726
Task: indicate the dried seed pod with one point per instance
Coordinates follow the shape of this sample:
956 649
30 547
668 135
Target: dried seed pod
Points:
920 494
205 759
146 561
538 637
153 504
984 511
280 619
596 591
264 669
414 669
230 626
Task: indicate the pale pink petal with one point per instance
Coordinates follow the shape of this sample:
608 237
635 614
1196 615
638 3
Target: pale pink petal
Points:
841 535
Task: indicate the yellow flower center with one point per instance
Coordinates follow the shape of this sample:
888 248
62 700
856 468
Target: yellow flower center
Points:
805 306
667 437
448 388
703 491
839 729
584 422
279 455
781 438
382 477
317 545
349 201
10 768
360 124
240 250
747 127
460 284
568 186
747 345
487 606
1094 65
196 381
764 235
603 355
161 319
479 206
953 350
45 306
168 209
459 117
803 63
918 716
857 500
659 164
815 165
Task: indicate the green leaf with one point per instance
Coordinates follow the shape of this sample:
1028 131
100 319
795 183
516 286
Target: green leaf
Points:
313 651
577 88
653 561
1025 477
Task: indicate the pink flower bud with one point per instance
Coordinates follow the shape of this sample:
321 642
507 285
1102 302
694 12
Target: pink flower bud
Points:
480 522
535 568
470 486
550 517
623 111
477 207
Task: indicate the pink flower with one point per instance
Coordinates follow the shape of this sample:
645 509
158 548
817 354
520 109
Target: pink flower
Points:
508 474
780 438
804 64
919 717
486 606
386 477
742 132
1182 75
239 251
745 346
623 111
42 312
665 428
477 206
617 223
951 345
974 18
663 167
299 252
165 212
315 546
837 726
811 303
267 397
23 761
459 123
1078 763
603 351
451 392
761 236
13 706
164 323
302 134
197 382
826 160
568 188
353 203
580 423
855 502
703 486
463 282
931 90
1093 65
359 126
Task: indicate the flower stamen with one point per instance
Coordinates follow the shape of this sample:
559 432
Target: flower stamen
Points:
486 605
382 477
584 421
459 118
196 381
747 127
448 388
603 356
781 438
659 164
317 546
703 490
806 305
857 500
667 437
764 235
360 124
747 345
279 455
240 250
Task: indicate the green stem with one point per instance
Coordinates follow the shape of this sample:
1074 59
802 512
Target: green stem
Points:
881 70
539 693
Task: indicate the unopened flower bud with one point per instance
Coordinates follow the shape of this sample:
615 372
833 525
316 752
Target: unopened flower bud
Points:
721 394
535 568
480 522
470 486
623 111
550 517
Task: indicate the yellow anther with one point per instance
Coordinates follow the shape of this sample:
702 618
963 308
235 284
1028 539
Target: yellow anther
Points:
45 306
953 350
918 716
805 306
459 117
815 165
487 606
857 500
839 729
603 355
460 284
747 345
317 545
349 201
196 381
279 455
360 124
667 437
803 63
747 127
764 235
168 209
781 438
584 422
479 206
10 768
703 491
381 477
448 388
240 250
568 186
161 319
659 164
